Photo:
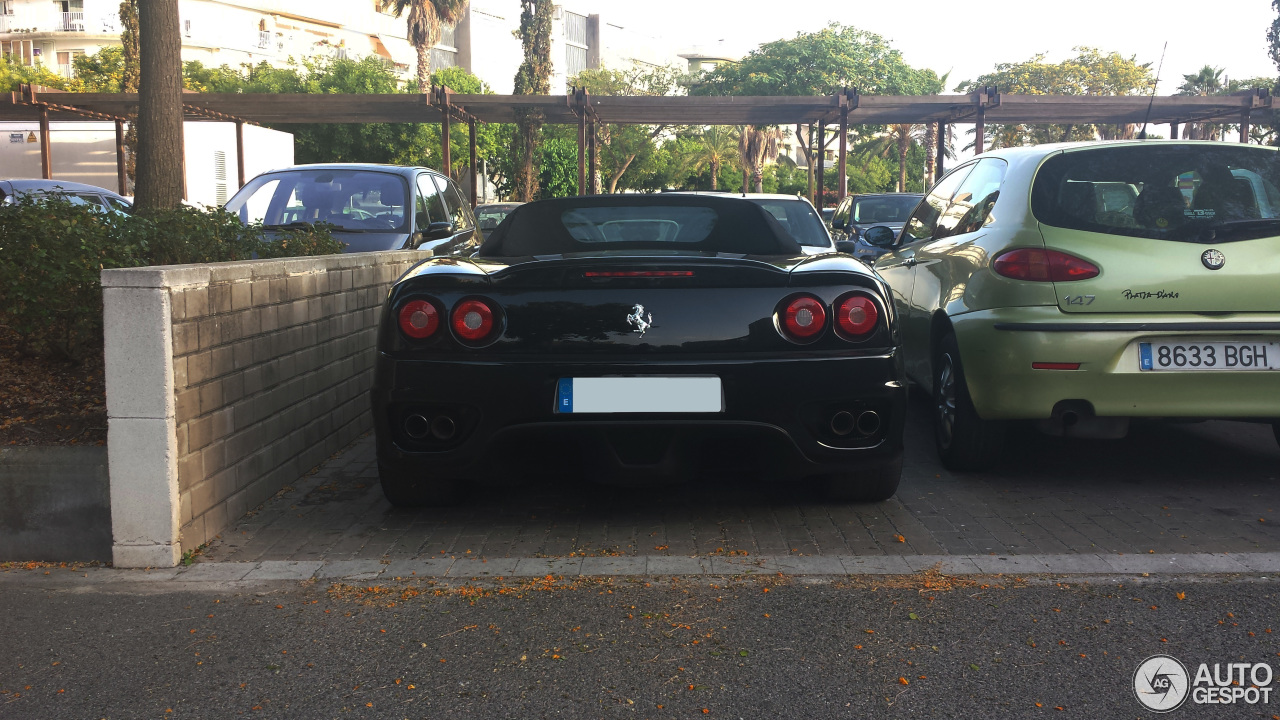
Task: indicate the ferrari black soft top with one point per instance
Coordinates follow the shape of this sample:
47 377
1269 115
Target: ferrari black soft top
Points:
687 223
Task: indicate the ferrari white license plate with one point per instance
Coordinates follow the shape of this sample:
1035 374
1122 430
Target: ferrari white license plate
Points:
682 394
1194 356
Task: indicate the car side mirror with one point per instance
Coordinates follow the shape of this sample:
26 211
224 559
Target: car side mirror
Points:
880 236
438 230
846 246
837 223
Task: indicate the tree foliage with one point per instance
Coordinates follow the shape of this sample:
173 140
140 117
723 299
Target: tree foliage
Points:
396 143
628 152
1090 72
425 21
532 78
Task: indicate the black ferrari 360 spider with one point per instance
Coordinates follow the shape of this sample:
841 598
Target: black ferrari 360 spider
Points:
641 338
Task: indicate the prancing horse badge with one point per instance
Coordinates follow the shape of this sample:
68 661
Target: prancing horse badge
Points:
639 320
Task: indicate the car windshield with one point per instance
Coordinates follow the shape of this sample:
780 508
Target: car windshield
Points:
890 210
797 218
492 216
1182 192
353 200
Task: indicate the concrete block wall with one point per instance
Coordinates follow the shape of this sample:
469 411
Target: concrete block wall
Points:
228 381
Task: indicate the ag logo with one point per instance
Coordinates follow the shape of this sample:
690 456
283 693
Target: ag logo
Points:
1161 683
1213 259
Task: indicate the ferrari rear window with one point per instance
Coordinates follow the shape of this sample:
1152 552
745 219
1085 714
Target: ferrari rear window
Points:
1181 192
646 224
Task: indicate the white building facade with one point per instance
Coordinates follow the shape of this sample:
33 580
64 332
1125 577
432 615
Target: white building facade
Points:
235 32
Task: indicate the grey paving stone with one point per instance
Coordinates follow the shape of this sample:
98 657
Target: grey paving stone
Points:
743 566
958 565
284 570
350 570
536 567
611 565
1075 563
485 567
216 572
812 565
152 575
1003 564
425 567
1259 562
920 563
1206 563
677 565
876 565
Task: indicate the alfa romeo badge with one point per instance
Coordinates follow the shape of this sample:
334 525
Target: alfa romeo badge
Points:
1213 259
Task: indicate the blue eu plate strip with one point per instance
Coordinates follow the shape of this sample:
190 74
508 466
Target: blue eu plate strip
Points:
564 396
1144 353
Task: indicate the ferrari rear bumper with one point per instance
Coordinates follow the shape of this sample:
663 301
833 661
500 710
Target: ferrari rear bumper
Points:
786 417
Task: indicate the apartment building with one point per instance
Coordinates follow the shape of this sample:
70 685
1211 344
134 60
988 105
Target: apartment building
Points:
234 32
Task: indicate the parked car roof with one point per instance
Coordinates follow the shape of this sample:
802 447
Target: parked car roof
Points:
26 185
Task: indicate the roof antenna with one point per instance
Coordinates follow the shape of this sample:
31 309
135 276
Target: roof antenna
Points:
1142 134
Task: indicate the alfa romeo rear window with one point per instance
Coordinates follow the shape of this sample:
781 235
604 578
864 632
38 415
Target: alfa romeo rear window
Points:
1180 192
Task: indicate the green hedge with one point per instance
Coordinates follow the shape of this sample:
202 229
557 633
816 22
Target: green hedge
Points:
52 253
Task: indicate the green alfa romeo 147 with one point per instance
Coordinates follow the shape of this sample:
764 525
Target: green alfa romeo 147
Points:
1084 285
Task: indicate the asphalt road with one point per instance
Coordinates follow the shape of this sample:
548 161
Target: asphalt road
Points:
922 646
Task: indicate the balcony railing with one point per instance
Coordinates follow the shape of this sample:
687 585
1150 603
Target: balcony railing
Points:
72 22
264 40
67 70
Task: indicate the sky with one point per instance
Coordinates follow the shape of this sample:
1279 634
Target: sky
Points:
969 39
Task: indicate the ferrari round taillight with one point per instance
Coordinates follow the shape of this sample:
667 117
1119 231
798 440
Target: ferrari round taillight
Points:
856 316
473 320
1043 266
419 319
804 318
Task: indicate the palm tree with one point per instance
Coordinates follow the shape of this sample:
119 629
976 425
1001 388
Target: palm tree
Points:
898 139
425 19
718 146
1206 81
757 146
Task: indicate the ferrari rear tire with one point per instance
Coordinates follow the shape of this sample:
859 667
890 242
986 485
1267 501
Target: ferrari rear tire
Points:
963 439
417 489
874 483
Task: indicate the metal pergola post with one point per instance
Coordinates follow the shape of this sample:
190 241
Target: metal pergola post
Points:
122 176
475 168
46 156
1173 130
939 168
980 131
842 176
1244 125
582 154
822 164
240 172
593 158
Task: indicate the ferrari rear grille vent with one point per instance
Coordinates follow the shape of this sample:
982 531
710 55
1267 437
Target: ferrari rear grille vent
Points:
637 273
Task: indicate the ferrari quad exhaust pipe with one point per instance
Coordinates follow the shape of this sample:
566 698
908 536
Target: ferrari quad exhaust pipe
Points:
869 422
441 427
417 427
866 424
842 423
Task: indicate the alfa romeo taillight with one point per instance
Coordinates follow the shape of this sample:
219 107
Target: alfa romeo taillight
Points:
473 320
419 319
856 316
1043 266
804 318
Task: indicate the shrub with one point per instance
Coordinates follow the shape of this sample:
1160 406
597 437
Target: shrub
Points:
52 253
